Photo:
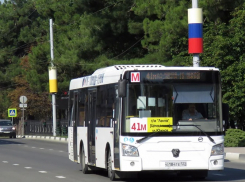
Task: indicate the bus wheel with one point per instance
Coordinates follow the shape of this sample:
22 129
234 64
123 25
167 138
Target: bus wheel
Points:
83 165
111 173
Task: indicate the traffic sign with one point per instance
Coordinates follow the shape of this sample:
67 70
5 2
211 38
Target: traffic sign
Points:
22 105
12 112
23 99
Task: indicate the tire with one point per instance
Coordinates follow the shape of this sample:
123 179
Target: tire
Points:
111 173
83 165
10 136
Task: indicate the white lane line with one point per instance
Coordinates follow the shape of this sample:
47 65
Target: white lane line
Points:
42 171
61 151
60 177
5 162
51 149
41 148
219 174
28 167
15 164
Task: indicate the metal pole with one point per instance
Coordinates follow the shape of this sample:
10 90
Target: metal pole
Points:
53 94
54 114
196 58
194 3
23 119
51 42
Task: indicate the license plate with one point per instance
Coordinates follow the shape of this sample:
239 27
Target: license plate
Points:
175 164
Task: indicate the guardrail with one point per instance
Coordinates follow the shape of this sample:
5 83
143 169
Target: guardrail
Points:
44 128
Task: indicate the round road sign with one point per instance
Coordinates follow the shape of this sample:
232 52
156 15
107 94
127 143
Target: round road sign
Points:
23 99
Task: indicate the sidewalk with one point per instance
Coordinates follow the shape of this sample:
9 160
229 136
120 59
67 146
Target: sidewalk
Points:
51 138
231 153
235 153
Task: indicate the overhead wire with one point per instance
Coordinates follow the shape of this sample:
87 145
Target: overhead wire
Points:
26 45
128 48
17 25
67 25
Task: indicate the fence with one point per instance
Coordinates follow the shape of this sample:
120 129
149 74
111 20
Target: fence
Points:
44 128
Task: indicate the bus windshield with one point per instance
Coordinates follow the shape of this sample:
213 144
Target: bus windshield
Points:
172 109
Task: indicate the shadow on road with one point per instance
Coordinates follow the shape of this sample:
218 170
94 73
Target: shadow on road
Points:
150 177
7 141
228 174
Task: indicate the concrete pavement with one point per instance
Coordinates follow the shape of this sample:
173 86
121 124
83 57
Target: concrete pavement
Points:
231 153
235 153
51 138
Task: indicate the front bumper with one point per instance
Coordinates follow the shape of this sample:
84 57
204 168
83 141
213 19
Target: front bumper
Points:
138 164
7 133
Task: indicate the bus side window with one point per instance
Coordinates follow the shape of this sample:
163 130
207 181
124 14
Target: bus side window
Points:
100 105
71 109
111 95
81 108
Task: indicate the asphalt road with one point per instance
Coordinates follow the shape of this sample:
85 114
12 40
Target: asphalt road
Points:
38 161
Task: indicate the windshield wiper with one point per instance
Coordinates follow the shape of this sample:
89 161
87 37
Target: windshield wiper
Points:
144 138
209 137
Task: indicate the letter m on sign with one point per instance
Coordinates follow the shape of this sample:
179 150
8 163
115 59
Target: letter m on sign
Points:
135 76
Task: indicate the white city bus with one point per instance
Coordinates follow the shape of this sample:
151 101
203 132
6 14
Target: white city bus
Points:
128 118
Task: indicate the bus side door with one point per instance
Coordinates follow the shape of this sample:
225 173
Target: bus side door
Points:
73 108
92 96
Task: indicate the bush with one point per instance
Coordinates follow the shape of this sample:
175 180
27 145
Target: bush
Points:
235 138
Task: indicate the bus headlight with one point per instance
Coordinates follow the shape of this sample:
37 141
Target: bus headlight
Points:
218 149
129 150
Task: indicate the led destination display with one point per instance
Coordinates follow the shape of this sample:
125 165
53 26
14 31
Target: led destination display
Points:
173 75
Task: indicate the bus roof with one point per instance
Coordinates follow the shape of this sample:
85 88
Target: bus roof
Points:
112 74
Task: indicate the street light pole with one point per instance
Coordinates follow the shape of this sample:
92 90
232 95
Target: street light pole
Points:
52 78
195 22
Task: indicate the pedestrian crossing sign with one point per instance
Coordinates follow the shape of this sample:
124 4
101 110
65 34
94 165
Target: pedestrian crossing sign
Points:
12 112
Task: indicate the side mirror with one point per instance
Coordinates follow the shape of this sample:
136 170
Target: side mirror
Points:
122 88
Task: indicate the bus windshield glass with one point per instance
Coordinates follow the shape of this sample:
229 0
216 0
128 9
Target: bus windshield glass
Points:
173 103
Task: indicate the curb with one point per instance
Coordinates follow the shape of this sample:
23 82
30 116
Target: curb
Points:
235 156
50 138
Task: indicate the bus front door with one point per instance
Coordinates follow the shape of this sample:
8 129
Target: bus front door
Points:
91 125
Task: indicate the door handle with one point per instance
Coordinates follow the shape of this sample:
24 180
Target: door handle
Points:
111 132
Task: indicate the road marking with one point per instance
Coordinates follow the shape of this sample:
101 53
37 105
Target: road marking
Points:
61 151
41 148
5 162
15 164
219 174
33 147
42 171
28 167
60 177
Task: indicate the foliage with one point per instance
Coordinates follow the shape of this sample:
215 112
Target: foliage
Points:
93 34
235 138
